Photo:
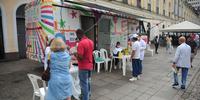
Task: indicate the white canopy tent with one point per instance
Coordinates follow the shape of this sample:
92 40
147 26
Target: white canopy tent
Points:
185 26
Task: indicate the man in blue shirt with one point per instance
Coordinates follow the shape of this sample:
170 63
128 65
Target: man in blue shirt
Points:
181 61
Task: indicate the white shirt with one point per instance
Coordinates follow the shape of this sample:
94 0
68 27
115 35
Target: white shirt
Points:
136 48
142 48
47 51
182 56
116 50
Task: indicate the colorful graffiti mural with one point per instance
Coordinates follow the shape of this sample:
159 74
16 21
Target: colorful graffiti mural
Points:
45 20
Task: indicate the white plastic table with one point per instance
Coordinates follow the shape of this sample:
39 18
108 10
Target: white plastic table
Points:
76 89
124 58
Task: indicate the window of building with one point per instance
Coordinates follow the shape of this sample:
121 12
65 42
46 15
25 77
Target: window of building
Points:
139 3
125 1
149 5
163 12
157 6
157 10
164 7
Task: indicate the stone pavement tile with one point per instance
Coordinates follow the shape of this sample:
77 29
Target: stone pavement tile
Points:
177 97
119 82
96 96
166 79
114 96
142 89
180 92
96 77
131 85
140 82
157 86
151 91
158 98
135 94
124 90
144 97
111 87
103 91
116 75
102 98
99 83
166 94
108 79
126 98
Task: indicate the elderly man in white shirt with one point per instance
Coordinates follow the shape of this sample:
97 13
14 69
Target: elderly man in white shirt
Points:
181 61
135 56
142 50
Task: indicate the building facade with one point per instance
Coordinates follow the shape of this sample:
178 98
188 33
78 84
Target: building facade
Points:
177 10
10 15
12 18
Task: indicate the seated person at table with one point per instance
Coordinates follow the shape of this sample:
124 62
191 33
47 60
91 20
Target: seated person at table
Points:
116 52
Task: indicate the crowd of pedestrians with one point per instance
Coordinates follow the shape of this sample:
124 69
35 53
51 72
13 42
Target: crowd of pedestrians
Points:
184 55
59 57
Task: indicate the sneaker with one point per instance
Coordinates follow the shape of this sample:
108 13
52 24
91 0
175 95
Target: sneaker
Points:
138 77
182 86
133 79
175 84
115 67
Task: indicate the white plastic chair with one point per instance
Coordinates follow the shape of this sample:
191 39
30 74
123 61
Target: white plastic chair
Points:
104 55
37 91
98 60
149 49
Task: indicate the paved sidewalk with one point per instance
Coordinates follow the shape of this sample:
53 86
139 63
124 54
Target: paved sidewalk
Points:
155 83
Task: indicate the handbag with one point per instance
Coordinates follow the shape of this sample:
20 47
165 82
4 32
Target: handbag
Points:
46 74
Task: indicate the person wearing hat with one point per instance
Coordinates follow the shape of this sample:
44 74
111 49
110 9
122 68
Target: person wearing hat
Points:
135 57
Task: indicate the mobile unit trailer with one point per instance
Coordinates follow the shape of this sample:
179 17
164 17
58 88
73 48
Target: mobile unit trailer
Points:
46 19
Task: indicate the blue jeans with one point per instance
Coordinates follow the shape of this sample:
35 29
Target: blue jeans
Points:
85 79
135 67
140 68
183 77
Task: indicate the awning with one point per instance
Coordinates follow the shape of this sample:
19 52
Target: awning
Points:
95 8
185 26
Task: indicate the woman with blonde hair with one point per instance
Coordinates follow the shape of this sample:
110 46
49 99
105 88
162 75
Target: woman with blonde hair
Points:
60 83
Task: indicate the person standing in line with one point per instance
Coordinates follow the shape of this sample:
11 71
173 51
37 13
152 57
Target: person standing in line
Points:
193 46
156 43
60 83
169 44
135 57
142 51
181 61
197 40
47 52
85 62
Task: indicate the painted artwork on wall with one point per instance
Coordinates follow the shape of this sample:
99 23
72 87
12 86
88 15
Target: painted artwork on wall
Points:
45 21
119 30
